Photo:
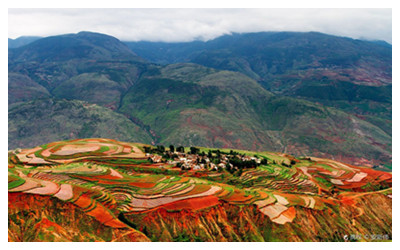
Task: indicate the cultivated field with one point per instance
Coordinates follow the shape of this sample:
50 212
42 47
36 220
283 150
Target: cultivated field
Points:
114 183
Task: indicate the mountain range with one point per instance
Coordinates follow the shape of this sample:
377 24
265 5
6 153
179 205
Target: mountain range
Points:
352 75
298 93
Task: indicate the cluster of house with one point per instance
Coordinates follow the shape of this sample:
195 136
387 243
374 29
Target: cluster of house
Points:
198 162
154 158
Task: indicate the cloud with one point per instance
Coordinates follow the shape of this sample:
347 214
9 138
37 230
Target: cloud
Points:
174 25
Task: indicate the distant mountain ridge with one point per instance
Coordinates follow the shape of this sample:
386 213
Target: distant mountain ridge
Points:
268 53
349 74
97 62
85 45
21 41
195 105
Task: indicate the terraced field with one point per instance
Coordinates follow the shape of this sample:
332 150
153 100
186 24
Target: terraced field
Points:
119 190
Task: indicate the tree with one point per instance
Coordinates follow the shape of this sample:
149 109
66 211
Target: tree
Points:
171 148
239 173
160 148
194 150
216 161
146 149
180 149
165 156
264 161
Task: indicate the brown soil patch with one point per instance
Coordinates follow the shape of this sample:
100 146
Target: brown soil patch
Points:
184 191
104 216
71 149
83 201
194 203
238 196
28 184
273 211
290 213
263 203
47 189
65 192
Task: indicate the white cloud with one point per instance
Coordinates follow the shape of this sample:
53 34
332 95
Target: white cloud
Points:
189 24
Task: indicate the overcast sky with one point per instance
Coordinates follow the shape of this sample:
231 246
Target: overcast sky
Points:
175 25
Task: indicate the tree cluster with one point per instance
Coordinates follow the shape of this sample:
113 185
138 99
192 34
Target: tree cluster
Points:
159 149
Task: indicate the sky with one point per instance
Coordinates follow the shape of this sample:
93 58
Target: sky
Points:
182 25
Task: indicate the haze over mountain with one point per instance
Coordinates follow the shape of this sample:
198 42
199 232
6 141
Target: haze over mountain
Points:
301 93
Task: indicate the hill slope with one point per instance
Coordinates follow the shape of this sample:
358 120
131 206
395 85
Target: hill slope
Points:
22 88
106 190
89 64
188 103
352 75
47 120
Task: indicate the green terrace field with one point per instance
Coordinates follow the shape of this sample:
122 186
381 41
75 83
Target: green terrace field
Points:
127 197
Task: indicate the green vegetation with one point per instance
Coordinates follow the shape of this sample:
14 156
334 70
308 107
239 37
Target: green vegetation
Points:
158 102
52 120
91 87
192 105
14 181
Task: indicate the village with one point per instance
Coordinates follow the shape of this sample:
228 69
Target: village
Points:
214 160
